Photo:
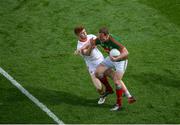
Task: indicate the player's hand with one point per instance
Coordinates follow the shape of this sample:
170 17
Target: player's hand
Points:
91 42
114 59
77 52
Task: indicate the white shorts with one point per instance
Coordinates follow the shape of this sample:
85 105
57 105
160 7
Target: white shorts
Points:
118 66
93 65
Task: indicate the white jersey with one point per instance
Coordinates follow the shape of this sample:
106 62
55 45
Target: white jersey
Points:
95 53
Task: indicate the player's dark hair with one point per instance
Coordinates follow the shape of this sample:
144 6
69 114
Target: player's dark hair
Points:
104 30
78 29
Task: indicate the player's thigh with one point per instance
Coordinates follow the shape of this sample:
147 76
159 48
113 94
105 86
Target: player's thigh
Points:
96 82
117 77
100 70
105 64
109 72
93 66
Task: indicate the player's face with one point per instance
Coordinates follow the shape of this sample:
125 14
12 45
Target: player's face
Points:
83 34
102 37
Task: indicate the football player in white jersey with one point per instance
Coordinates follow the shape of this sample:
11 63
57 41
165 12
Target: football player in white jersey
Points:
92 57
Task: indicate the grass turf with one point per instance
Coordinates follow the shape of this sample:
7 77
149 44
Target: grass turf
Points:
36 48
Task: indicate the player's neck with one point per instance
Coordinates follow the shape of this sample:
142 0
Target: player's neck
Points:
83 40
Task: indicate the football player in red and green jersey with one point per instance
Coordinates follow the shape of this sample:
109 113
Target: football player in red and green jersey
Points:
118 63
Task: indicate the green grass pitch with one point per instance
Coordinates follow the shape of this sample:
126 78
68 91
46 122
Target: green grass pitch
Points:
36 48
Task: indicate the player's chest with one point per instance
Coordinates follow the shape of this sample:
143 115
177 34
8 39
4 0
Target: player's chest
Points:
107 45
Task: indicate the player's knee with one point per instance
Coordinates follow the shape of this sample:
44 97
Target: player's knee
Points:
98 75
118 86
100 92
109 73
116 80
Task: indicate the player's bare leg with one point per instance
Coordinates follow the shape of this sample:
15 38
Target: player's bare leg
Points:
110 73
103 78
131 99
97 84
104 81
119 90
100 88
100 71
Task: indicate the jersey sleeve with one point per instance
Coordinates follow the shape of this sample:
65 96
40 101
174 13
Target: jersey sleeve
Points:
93 36
117 45
116 37
79 46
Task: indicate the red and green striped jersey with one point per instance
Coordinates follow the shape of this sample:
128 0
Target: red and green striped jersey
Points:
112 43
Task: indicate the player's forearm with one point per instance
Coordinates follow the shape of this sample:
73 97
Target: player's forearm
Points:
77 52
87 51
124 54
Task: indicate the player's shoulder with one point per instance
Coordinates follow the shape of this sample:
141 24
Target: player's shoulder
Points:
118 38
79 44
91 36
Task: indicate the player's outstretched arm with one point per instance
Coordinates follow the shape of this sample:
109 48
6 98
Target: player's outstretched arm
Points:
124 54
77 52
86 49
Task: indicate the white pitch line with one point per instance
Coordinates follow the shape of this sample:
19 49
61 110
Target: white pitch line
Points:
31 97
